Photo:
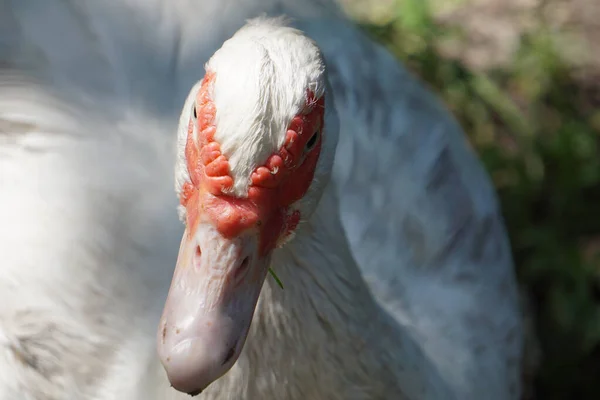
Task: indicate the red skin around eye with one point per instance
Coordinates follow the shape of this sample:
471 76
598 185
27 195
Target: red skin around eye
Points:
283 179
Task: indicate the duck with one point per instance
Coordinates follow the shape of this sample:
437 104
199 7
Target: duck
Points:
339 240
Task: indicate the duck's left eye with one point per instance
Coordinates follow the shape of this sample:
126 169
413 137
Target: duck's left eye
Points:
194 112
312 141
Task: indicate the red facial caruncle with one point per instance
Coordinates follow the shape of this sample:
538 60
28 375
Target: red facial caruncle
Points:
275 186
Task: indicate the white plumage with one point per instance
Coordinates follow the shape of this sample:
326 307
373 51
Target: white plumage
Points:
409 293
253 110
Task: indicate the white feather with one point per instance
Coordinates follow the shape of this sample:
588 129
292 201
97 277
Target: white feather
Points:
262 74
89 233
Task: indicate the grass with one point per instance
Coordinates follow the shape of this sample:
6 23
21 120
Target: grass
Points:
536 127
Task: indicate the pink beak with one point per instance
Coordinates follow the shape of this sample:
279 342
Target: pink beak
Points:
210 306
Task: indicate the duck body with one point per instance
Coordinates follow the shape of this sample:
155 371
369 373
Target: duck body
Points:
401 285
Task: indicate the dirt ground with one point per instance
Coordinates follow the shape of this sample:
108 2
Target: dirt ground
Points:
493 28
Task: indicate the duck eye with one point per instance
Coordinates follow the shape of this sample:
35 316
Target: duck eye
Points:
312 141
195 115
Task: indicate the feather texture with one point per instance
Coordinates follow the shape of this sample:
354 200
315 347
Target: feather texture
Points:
409 293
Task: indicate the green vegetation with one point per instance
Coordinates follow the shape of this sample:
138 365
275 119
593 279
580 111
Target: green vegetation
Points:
536 127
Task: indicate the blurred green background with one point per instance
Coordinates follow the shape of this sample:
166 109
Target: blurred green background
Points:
523 78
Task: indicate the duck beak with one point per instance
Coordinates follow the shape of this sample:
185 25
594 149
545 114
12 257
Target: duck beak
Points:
210 306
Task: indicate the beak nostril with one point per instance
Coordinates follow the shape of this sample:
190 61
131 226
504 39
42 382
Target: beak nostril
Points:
241 269
244 263
197 254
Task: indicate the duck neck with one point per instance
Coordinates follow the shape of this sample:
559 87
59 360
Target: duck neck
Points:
322 335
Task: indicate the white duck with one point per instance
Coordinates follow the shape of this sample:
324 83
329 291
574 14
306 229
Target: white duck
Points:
398 278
